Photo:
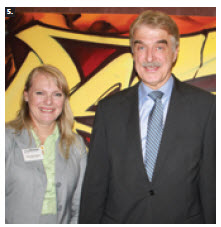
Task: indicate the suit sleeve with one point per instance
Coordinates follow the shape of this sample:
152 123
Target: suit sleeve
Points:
77 193
95 186
207 180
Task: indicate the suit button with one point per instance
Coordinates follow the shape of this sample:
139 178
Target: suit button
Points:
58 184
151 192
59 207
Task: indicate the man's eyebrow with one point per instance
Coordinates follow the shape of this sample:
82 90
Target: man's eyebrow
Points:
162 41
158 41
138 42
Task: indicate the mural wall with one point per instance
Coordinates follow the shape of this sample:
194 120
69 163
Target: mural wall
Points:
92 50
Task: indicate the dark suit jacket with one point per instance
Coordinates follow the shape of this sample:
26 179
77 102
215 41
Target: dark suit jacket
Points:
116 187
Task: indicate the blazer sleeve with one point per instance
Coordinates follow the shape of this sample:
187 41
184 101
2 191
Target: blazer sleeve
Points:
8 145
207 180
9 148
8 142
95 184
77 194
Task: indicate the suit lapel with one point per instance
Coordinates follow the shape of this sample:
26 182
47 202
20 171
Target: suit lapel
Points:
174 115
24 141
60 163
133 135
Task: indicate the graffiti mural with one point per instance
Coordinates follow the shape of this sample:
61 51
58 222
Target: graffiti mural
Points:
92 51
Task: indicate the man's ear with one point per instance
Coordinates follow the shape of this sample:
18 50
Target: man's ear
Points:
176 54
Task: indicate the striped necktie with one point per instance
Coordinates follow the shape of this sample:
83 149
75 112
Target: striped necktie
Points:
154 133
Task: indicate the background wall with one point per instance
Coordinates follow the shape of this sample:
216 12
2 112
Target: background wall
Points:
91 47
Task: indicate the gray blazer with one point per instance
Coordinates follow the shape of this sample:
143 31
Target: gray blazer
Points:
26 182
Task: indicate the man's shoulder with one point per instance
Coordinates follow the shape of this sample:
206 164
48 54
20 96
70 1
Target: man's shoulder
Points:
120 96
193 91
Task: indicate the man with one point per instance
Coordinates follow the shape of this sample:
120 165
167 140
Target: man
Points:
152 151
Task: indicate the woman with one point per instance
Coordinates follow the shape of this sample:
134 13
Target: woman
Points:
45 160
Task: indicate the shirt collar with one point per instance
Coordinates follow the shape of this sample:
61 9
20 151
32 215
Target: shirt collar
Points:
53 136
144 90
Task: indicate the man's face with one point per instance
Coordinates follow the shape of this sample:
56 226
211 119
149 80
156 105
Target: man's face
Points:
154 53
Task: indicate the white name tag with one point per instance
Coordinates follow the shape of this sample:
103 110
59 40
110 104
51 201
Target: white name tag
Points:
32 154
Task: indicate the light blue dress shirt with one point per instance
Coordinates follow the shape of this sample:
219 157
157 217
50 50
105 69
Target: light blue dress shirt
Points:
146 105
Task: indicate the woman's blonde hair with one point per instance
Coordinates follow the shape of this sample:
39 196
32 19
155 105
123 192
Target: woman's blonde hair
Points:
155 19
65 121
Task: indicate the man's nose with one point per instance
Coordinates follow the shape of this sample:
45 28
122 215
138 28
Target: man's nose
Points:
149 55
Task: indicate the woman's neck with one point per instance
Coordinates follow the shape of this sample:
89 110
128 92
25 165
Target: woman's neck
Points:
43 131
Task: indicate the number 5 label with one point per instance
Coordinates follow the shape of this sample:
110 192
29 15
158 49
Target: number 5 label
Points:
9 11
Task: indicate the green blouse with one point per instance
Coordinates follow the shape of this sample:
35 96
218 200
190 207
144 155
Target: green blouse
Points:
49 203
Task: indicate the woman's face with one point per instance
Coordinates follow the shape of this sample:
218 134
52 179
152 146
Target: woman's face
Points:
45 100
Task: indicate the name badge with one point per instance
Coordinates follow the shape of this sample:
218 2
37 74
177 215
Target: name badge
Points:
32 154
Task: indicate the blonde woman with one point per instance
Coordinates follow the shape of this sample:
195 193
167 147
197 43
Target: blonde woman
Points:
45 160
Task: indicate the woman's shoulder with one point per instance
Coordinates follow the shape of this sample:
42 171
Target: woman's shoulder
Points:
9 134
9 130
78 146
9 139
